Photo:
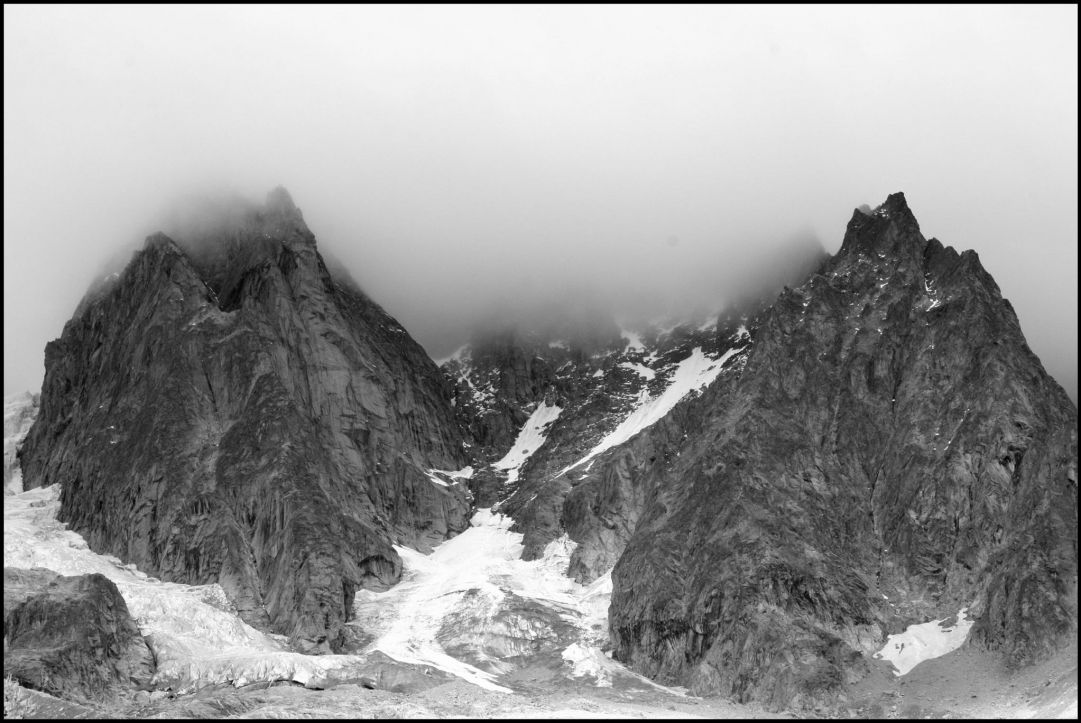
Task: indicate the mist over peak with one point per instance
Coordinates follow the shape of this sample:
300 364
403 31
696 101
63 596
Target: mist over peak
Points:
452 158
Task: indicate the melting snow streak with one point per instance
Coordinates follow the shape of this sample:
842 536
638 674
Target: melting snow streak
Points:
692 374
529 440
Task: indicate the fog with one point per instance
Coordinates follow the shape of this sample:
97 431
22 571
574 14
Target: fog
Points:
462 162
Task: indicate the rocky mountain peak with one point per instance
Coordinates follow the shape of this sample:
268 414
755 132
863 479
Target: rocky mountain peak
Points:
244 399
889 231
159 241
279 201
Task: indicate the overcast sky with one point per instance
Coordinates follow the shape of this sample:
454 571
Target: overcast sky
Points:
456 159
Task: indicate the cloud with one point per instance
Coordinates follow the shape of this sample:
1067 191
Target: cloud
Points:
459 160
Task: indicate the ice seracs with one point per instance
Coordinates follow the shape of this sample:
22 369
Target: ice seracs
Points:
473 579
19 412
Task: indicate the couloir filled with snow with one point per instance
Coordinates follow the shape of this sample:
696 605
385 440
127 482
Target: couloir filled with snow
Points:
530 438
691 375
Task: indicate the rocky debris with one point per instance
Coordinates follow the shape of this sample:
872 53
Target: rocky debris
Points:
71 636
226 411
891 452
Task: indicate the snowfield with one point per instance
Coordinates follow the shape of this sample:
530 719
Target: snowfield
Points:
532 435
193 630
198 640
924 642
474 585
478 576
691 375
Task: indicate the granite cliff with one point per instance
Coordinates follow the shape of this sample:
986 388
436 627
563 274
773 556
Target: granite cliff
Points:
891 451
225 411
876 447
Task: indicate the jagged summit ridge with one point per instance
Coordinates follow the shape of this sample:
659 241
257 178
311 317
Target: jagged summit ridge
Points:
889 231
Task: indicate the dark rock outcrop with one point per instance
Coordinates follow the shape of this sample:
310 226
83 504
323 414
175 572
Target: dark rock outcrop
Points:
891 436
226 411
71 636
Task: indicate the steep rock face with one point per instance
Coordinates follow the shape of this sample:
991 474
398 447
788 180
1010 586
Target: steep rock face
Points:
226 411
71 636
501 375
891 452
591 477
591 386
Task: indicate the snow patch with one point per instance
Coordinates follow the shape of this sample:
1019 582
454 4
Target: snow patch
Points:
643 371
924 641
634 341
533 434
471 575
691 375
464 473
588 660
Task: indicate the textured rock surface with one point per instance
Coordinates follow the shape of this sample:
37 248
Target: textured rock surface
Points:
71 636
226 411
891 452
598 379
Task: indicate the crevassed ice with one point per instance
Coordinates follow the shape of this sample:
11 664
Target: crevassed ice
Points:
468 574
196 638
470 577
17 421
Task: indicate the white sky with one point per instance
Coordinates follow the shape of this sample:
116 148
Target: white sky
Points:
456 158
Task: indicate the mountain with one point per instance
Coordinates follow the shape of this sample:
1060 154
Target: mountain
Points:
226 411
773 501
891 451
783 488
